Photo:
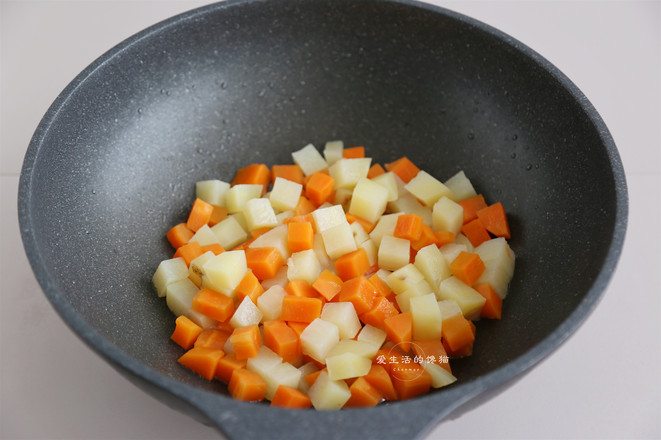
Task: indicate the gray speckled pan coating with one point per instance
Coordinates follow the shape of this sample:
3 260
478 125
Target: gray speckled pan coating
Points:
112 167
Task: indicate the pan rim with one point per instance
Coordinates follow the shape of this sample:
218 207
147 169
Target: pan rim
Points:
119 359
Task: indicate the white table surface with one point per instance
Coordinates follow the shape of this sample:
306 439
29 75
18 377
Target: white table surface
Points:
604 382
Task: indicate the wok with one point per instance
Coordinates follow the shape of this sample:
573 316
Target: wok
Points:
112 166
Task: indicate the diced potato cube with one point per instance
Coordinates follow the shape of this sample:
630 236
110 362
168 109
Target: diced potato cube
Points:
372 335
327 394
281 374
469 300
277 238
497 252
496 277
169 271
394 252
432 264
259 214
447 216
404 278
404 299
359 234
344 316
212 191
285 194
270 302
237 196
427 188
195 272
246 314
372 251
450 251
179 299
449 308
265 360
369 200
359 348
229 233
318 338
322 255
343 197
407 204
309 159
347 365
326 218
338 240
427 319
462 239
225 271
333 151
385 226
303 265
347 172
461 187
387 180
205 236
281 216
440 377
305 369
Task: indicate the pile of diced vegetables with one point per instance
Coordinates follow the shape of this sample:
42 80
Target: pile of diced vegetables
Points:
333 282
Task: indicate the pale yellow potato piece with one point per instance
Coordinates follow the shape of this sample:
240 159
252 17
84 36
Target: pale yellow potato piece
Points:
277 238
303 265
440 377
344 316
385 226
225 271
468 299
270 302
427 188
369 200
338 240
179 299
318 338
246 314
212 191
309 159
394 252
259 214
169 271
204 236
195 272
426 315
333 151
432 264
461 187
447 216
281 374
347 365
237 196
388 181
408 204
327 394
347 172
328 217
229 233
285 194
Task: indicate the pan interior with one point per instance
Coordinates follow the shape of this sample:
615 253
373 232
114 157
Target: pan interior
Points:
251 82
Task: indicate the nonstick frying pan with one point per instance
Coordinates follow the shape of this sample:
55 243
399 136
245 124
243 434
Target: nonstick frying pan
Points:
113 164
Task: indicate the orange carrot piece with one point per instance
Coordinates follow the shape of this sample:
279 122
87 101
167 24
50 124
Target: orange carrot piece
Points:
319 188
359 292
379 285
212 338
227 365
189 251
353 152
493 307
399 329
432 351
375 170
312 377
300 236
367 226
468 267
444 237
213 304
381 310
289 172
363 394
282 340
218 214
202 361
300 288
410 380
475 231
457 333
408 227
250 287
327 284
403 168
246 341
300 308
264 262
471 205
199 215
427 237
298 327
380 379
185 332
352 264
304 206
254 174
288 397
494 218
216 248
246 385
179 235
